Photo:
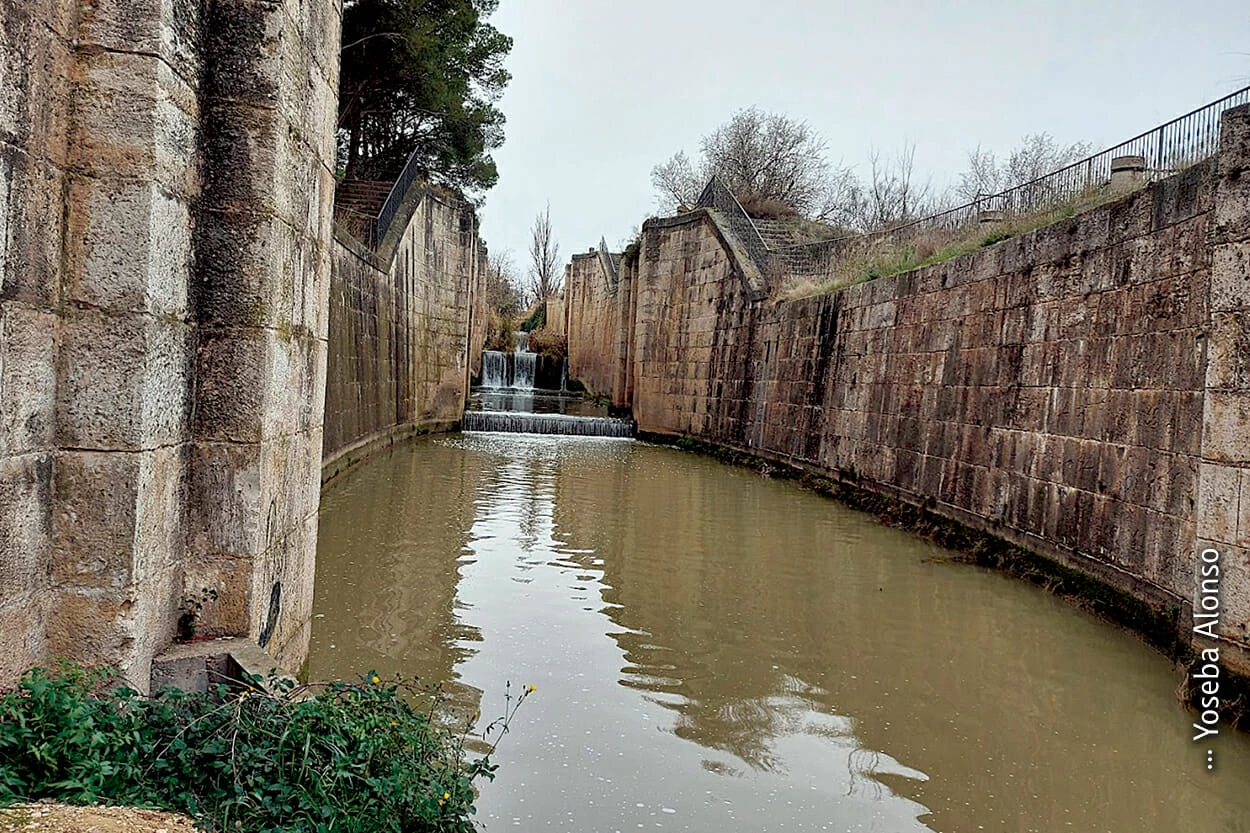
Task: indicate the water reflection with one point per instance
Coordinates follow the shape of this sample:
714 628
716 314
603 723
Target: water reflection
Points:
713 649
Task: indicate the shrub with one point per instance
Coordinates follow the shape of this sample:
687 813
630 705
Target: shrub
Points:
355 757
549 343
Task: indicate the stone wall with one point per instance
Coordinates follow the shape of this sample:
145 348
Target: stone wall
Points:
405 335
165 196
597 315
1081 390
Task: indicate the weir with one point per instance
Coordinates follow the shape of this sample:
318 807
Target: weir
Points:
515 422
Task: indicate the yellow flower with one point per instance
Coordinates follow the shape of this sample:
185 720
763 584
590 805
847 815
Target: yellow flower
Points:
446 795
531 689
376 679
440 802
394 723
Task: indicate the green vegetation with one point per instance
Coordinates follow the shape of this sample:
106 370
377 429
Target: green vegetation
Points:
423 76
371 756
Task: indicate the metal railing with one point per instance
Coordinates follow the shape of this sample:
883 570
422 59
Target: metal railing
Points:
718 196
1166 149
609 265
396 197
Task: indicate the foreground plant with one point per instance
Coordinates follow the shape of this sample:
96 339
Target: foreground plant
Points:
352 756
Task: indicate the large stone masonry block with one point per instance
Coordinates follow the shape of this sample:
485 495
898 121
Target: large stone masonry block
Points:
225 512
134 118
1230 276
118 517
246 40
1226 427
251 162
122 382
31 228
25 495
1228 352
249 268
1219 498
34 66
22 634
168 28
27 379
129 247
1232 173
1234 588
254 384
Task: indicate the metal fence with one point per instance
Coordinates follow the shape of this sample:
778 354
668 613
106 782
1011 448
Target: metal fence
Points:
718 196
1166 149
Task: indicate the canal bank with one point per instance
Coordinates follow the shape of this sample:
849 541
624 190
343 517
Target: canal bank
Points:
1077 391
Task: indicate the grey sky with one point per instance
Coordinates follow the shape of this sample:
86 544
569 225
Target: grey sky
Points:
602 91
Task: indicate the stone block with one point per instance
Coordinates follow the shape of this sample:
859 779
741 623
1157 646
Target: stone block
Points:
130 247
1228 352
1219 497
1230 277
30 229
92 626
248 270
1231 220
25 525
93 522
168 28
27 379
1226 427
122 382
22 635
225 514
134 118
246 39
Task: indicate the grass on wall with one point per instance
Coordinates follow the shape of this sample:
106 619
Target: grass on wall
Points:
888 256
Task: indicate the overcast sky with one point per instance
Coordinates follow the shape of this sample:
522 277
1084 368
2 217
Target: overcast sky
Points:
602 90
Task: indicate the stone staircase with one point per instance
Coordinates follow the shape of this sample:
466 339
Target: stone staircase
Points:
361 196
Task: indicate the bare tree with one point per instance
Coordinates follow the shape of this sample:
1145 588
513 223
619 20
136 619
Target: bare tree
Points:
760 157
503 288
545 274
1037 154
892 195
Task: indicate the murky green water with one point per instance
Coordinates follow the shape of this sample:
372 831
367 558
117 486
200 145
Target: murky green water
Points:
715 651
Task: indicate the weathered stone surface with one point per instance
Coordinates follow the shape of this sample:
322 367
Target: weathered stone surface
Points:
165 217
1081 390
399 337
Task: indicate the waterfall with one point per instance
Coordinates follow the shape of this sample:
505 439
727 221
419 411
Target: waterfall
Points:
494 369
522 423
521 340
523 372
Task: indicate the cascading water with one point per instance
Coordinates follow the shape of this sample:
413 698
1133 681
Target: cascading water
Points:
523 370
530 423
524 363
506 400
494 369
